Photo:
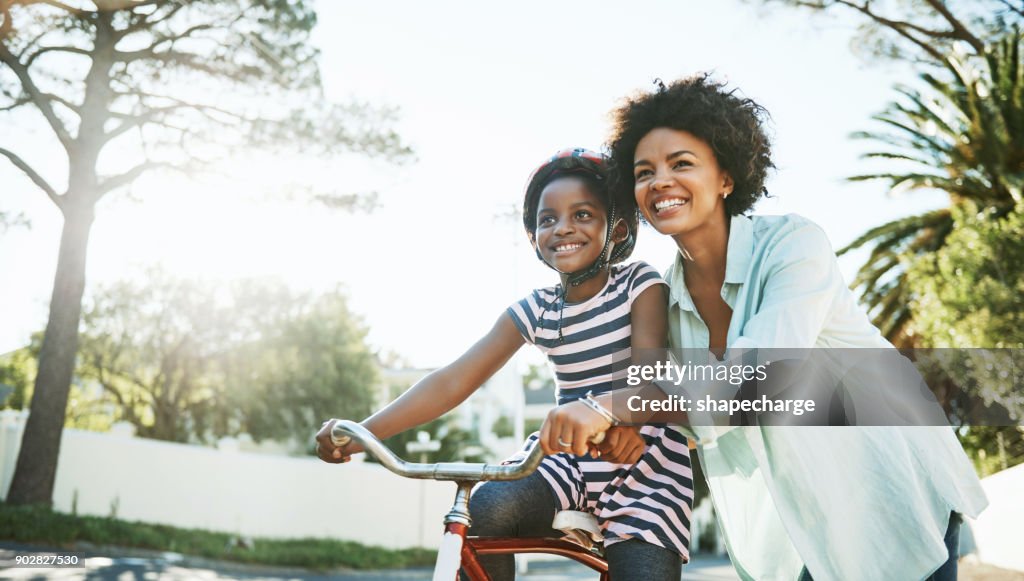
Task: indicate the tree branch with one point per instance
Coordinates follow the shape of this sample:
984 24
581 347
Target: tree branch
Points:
144 21
113 182
896 26
54 3
34 176
1019 11
958 27
46 49
132 121
17 103
37 96
7 25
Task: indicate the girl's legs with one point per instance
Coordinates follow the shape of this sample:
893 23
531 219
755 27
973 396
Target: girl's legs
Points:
641 561
518 508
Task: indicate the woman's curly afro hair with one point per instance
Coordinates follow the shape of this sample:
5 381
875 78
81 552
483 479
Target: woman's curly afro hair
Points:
732 126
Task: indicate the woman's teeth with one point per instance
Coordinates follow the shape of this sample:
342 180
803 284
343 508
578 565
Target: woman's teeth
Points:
671 203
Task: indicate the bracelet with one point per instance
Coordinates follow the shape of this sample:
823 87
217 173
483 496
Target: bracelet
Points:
593 404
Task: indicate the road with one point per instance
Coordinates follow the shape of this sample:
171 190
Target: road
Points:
154 566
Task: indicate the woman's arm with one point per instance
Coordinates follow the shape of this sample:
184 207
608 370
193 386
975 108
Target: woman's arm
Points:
436 393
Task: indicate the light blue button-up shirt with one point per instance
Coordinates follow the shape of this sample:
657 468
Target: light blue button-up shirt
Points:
846 502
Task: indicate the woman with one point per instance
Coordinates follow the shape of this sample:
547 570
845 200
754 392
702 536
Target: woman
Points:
794 502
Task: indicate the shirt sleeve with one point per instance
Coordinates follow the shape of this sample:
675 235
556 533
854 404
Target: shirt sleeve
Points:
801 283
642 277
525 315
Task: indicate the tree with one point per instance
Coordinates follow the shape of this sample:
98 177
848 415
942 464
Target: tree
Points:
922 31
189 361
302 369
970 293
967 294
157 84
457 444
963 136
17 369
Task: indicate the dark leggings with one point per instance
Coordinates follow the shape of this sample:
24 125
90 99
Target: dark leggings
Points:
525 508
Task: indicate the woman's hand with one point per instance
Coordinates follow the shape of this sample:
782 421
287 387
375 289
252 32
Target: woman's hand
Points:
570 427
328 452
622 445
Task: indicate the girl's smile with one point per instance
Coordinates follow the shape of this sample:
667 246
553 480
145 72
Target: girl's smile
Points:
567 247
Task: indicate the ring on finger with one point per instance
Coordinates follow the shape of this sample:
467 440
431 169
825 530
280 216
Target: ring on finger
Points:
564 444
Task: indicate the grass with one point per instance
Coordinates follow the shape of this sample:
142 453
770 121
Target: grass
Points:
41 525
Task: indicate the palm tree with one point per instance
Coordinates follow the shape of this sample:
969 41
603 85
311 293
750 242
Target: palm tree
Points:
964 136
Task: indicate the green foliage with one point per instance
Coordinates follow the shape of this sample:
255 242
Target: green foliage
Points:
993 448
531 426
305 367
185 360
40 525
964 135
457 445
503 427
970 293
17 371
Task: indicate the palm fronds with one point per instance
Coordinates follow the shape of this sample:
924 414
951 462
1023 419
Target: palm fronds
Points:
963 135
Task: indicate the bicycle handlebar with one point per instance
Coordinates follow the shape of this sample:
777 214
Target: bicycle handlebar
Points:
344 430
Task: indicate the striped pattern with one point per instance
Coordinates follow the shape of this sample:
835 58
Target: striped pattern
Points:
651 499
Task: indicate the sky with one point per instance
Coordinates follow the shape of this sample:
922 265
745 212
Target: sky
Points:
485 92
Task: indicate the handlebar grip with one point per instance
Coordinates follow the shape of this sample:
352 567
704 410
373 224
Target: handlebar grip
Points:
338 437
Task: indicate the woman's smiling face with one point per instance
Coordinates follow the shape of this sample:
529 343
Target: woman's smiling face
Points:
679 185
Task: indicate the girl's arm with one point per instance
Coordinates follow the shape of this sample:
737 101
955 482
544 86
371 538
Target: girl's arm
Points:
575 422
437 393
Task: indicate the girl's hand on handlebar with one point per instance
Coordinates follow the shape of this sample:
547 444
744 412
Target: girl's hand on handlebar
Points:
327 451
570 427
622 445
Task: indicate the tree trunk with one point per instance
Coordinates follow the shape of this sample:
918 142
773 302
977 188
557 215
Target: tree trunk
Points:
37 461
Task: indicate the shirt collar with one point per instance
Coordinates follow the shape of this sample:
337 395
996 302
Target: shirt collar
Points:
740 250
739 253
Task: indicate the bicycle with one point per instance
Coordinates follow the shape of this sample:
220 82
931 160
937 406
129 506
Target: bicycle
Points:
458 550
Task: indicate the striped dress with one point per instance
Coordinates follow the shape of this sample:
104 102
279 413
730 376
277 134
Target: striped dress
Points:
649 500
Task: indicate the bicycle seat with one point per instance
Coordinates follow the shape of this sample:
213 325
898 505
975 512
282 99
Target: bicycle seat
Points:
579 527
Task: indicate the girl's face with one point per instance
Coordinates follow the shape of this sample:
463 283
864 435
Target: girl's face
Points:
571 225
678 183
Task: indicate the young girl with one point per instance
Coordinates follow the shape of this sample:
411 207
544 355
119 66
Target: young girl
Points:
639 487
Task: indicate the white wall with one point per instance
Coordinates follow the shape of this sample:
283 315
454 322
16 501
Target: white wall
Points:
1000 528
236 492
